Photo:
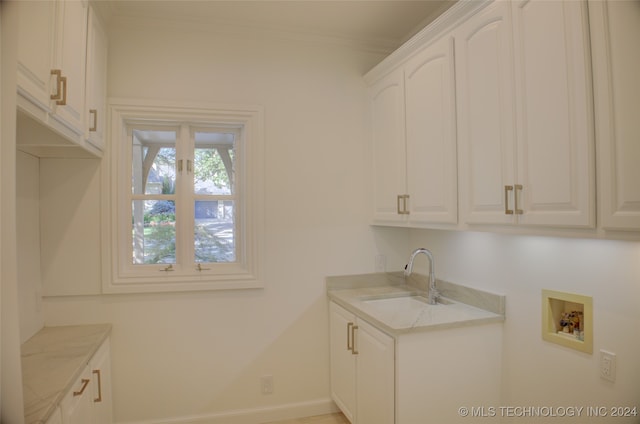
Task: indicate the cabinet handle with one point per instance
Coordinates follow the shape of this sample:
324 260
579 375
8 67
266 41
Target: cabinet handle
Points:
507 189
99 398
349 340
515 196
63 101
403 210
85 383
354 350
58 75
94 127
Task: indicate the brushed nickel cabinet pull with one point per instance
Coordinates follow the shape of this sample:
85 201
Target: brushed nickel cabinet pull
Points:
63 101
518 187
354 350
507 189
403 210
94 127
189 166
99 398
349 340
58 75
179 165
85 383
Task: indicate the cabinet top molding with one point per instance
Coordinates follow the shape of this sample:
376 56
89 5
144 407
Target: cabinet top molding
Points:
429 34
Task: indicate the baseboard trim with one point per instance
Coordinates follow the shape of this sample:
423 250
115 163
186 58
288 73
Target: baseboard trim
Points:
254 415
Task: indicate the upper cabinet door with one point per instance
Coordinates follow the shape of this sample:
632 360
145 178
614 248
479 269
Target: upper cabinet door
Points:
389 167
554 113
431 135
70 59
486 119
615 31
35 50
96 95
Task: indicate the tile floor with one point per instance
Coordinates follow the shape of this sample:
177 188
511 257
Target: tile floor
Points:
337 418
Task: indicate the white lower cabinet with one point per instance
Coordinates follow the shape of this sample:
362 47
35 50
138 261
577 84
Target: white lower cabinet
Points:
56 417
362 369
89 400
415 377
77 405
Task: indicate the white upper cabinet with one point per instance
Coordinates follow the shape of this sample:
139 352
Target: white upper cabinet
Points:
431 135
554 103
389 149
414 140
36 27
96 93
486 116
52 76
534 166
70 60
615 31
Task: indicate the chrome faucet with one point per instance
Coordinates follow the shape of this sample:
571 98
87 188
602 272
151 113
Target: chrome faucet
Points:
432 295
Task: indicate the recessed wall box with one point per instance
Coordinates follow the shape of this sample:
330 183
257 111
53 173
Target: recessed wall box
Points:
567 319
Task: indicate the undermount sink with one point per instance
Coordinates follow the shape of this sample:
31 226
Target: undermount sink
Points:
407 303
412 309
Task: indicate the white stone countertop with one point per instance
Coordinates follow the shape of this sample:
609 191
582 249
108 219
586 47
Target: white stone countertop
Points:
464 306
52 360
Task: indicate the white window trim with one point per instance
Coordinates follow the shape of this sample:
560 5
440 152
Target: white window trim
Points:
115 278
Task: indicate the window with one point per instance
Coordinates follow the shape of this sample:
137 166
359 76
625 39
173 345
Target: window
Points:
186 198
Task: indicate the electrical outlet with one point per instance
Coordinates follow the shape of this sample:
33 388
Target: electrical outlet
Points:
267 384
607 365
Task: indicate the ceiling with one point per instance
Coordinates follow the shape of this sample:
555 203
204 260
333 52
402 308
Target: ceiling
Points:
385 24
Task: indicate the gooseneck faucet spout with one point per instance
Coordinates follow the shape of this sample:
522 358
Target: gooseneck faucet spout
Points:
432 295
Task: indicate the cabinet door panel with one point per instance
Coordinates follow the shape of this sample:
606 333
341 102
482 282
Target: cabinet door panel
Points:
35 46
430 133
555 137
388 146
77 405
376 376
343 365
615 27
71 60
486 121
101 374
96 94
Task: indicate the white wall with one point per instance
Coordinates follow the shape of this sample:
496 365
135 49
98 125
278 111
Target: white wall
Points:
202 354
28 244
536 372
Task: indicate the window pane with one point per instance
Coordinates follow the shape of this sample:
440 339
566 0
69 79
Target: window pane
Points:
153 162
214 163
214 232
154 231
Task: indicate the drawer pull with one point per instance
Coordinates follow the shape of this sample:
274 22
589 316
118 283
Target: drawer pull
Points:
85 383
349 339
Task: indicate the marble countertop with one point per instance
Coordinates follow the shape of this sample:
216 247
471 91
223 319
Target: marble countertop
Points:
52 360
465 306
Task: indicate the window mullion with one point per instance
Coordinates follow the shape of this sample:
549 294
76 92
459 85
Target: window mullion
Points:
185 199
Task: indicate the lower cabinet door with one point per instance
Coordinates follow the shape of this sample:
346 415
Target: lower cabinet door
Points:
375 370
77 405
343 361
